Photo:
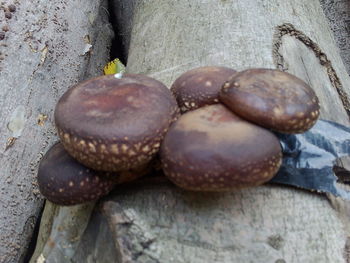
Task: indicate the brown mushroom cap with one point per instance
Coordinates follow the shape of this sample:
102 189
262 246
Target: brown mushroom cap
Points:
212 149
64 181
273 99
200 86
113 124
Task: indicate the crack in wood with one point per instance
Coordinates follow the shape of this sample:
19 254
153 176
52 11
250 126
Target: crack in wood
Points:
290 30
347 250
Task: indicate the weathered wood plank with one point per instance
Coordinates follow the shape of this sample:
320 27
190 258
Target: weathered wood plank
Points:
43 52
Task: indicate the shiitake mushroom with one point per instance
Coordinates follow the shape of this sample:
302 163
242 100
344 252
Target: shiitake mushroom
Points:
212 149
200 86
272 99
64 181
115 124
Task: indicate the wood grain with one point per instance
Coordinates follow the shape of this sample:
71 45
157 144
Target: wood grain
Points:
169 38
42 54
154 221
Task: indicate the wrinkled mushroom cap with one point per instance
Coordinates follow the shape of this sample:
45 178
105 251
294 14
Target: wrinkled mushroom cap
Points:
273 99
112 124
64 181
212 149
200 86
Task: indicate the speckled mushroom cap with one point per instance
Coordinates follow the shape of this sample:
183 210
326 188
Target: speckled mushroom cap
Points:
64 181
212 149
273 99
112 124
200 86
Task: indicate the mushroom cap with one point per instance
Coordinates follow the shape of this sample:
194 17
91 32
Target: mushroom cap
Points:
64 181
200 86
113 124
273 99
212 149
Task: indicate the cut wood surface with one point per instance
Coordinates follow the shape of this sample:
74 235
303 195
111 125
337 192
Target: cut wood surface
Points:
45 48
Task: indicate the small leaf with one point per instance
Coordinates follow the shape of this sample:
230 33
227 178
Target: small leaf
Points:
114 67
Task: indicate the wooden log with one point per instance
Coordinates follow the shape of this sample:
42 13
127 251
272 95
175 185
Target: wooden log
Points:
154 221
267 224
44 48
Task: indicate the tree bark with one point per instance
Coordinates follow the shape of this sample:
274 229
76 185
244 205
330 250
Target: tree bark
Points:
154 221
264 224
338 14
45 49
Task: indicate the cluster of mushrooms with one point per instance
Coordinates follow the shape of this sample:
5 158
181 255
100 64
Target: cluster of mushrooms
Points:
212 131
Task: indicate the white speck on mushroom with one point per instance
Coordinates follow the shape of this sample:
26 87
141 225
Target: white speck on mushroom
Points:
92 147
124 148
114 148
145 149
278 111
208 83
